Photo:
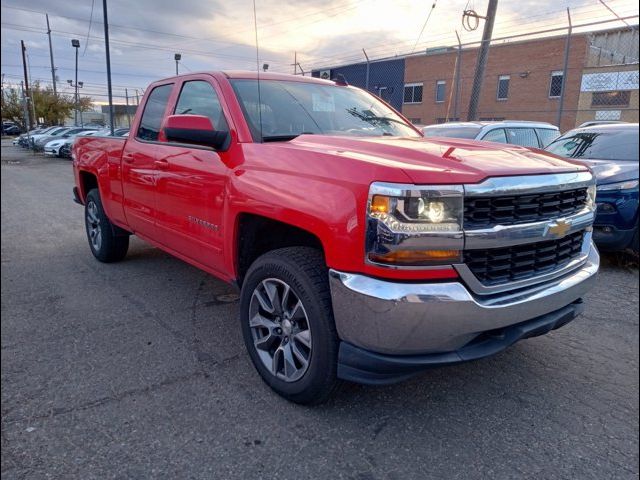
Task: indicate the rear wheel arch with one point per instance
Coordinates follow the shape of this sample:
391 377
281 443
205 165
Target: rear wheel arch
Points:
88 181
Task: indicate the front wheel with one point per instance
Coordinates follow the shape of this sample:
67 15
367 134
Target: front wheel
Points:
288 326
107 242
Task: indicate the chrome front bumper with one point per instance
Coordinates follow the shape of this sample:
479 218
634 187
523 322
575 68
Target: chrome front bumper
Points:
421 318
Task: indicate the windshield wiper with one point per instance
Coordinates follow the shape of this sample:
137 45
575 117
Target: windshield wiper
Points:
373 118
382 119
283 138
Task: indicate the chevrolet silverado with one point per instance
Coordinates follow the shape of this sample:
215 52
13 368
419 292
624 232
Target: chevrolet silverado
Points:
362 251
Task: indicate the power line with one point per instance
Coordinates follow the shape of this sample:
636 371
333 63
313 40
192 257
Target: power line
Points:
86 42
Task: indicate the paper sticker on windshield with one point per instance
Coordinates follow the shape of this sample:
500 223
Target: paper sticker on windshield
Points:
323 103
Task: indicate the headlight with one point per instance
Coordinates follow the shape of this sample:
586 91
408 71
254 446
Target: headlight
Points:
412 225
628 185
591 196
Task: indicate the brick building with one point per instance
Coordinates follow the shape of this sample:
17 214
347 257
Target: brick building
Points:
517 84
523 80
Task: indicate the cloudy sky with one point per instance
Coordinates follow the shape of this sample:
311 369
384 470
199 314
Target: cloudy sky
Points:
219 34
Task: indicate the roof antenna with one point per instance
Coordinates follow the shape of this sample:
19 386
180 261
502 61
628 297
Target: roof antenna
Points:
255 26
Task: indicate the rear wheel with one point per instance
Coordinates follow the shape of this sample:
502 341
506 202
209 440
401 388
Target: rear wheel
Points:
287 324
107 242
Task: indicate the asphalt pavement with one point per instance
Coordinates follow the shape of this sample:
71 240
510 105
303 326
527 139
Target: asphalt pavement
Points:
138 370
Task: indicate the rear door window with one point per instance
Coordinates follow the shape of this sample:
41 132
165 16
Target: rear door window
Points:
497 135
547 135
153 114
525 137
198 97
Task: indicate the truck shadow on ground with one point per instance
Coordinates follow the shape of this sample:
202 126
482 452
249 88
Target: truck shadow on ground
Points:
539 373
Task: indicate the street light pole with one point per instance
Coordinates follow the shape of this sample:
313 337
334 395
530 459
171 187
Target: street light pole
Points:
108 55
76 44
177 57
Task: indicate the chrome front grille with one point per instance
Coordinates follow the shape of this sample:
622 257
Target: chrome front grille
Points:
488 211
497 266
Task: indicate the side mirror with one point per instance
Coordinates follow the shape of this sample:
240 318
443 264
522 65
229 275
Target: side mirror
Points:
195 129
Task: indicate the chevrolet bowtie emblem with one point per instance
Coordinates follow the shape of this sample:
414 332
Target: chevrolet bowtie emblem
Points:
560 228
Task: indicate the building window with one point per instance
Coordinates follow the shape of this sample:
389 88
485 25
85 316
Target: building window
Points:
611 99
555 86
503 87
416 121
413 93
441 91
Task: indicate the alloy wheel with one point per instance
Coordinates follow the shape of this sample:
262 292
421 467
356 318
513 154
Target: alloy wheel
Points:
280 329
93 226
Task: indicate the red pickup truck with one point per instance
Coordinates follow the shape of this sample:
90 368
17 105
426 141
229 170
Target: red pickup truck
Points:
362 251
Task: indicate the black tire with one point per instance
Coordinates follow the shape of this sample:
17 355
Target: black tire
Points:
114 242
304 270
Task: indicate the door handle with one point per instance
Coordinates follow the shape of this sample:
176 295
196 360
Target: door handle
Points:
127 158
161 164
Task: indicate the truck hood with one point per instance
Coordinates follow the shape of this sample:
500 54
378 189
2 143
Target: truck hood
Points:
612 171
438 160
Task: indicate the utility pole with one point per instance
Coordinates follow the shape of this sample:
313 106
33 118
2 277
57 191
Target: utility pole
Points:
137 98
481 63
567 47
126 96
366 79
106 47
26 84
456 99
32 97
53 68
25 110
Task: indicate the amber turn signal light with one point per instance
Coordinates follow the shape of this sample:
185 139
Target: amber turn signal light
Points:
416 257
380 204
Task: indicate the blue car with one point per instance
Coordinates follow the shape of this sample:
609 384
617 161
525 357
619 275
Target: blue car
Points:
612 153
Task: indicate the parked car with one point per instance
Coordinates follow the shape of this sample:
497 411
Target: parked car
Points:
611 150
362 250
593 123
51 132
52 147
523 133
65 149
40 143
24 139
9 128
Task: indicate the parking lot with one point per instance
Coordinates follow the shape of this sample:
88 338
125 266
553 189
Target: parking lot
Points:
138 370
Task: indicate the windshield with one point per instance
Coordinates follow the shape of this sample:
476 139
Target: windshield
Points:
289 109
598 145
57 132
453 132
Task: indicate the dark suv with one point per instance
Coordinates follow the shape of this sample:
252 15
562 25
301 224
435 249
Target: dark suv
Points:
612 153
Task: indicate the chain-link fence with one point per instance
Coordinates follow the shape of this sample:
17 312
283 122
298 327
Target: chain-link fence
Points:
556 77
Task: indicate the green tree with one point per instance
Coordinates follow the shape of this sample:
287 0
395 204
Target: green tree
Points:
53 109
12 108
